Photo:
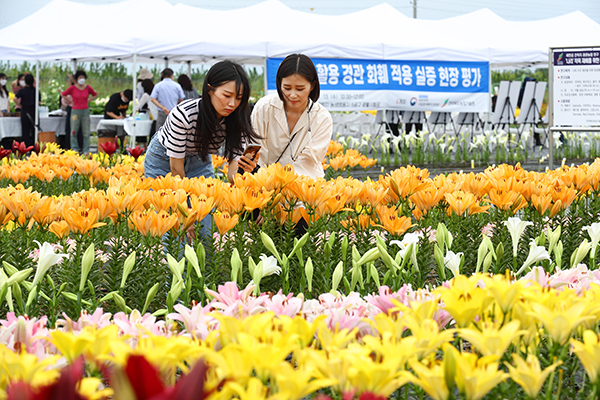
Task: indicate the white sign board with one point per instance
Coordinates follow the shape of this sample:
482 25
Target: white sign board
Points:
576 93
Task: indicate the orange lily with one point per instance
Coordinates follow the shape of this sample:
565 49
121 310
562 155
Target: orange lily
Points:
86 167
225 221
202 205
256 198
82 220
48 211
150 222
60 228
391 222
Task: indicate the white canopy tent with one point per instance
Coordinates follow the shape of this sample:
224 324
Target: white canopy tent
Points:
152 30
155 29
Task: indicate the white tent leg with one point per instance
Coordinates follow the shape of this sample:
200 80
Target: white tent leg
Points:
189 65
134 97
37 96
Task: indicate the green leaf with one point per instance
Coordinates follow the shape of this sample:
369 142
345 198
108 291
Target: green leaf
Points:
127 268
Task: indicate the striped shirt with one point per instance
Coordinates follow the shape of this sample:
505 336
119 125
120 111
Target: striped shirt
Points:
178 133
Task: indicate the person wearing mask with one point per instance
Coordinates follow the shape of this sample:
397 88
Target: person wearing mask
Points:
166 95
143 75
4 97
80 93
294 127
17 85
189 90
195 129
117 105
25 98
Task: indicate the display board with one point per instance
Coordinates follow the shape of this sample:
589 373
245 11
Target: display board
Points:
576 87
445 86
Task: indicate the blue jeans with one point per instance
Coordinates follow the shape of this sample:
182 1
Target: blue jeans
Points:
157 163
80 118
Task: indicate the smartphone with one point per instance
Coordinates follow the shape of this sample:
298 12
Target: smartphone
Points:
251 151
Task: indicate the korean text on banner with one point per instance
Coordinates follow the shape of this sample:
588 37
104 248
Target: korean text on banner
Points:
394 84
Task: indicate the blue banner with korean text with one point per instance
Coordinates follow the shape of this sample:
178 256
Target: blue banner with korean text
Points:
446 86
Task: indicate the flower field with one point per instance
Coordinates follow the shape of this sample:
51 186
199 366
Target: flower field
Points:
409 286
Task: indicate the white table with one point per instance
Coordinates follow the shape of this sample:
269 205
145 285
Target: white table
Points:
132 127
11 126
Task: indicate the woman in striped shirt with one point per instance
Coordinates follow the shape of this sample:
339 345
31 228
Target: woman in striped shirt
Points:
197 128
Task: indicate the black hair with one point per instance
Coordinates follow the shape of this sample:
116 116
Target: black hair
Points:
166 73
148 85
128 93
185 82
79 73
303 66
29 80
20 76
237 125
3 91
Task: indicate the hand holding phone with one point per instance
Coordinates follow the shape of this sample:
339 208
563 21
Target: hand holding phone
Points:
248 160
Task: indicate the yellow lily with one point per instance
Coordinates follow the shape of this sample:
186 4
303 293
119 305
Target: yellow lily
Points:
588 353
475 377
562 320
490 340
528 373
431 378
25 367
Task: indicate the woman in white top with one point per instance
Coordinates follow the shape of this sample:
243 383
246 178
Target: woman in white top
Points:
295 129
4 98
145 100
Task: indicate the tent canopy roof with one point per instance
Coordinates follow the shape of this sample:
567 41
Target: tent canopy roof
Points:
155 29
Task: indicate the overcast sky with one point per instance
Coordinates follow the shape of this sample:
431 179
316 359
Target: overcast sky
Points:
515 10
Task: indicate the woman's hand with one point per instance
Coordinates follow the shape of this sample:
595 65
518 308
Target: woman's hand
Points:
248 164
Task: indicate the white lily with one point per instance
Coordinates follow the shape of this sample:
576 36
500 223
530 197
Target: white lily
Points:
452 262
47 259
515 228
594 232
536 253
269 265
407 240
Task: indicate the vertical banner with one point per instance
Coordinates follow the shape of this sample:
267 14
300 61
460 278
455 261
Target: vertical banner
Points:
444 86
576 87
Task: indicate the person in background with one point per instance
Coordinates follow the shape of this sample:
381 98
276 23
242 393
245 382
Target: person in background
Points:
25 98
17 85
166 95
117 105
116 108
146 105
4 97
80 114
143 75
197 128
188 89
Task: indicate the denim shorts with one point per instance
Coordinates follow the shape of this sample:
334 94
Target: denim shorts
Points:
158 163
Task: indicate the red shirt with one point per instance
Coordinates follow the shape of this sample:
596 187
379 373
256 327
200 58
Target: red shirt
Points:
80 97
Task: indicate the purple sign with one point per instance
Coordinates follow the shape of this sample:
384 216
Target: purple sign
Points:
574 58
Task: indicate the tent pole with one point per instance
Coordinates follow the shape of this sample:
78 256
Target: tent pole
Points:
550 108
166 62
37 103
189 63
134 113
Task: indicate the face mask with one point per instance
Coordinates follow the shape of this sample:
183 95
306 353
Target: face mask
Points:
22 83
81 81
140 88
2 82
124 100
